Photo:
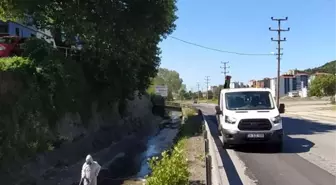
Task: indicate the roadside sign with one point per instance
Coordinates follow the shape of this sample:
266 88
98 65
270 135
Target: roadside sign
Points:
161 90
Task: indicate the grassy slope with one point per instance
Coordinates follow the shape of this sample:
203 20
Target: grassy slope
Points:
329 67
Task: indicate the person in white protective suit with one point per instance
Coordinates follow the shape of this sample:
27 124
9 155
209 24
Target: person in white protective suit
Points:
90 171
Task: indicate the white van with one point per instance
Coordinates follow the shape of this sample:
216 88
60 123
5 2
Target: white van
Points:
249 115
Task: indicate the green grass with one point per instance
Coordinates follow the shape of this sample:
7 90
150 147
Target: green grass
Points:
188 112
172 167
215 101
10 63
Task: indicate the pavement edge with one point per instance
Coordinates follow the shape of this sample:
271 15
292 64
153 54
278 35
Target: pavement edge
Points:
214 175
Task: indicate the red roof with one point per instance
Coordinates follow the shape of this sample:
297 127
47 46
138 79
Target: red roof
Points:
287 76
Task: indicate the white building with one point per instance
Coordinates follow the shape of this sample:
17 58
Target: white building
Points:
22 30
286 85
234 85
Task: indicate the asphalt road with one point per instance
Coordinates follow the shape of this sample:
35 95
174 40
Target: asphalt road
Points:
306 159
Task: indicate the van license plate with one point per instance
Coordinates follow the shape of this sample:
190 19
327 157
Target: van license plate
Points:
255 135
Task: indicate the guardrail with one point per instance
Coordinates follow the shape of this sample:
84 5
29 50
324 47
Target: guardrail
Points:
207 159
213 174
208 145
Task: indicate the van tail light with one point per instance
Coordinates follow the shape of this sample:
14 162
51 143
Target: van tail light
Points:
2 48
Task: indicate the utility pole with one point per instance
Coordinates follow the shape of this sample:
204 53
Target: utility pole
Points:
207 86
225 67
198 89
279 40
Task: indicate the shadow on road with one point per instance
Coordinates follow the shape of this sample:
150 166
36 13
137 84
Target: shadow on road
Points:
230 169
292 126
295 126
291 145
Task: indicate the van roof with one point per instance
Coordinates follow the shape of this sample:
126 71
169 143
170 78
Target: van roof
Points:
246 89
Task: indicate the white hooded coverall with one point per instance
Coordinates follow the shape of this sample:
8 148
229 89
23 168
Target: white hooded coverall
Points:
90 171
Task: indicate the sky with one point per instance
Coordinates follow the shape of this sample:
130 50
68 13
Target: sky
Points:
243 26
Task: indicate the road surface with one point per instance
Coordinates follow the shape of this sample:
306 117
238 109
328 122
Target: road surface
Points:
308 157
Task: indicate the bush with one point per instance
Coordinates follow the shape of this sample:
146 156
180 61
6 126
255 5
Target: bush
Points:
170 169
323 85
188 111
51 86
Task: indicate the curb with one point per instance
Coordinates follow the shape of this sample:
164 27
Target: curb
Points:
212 171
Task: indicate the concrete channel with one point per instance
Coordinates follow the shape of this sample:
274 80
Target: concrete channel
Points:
131 166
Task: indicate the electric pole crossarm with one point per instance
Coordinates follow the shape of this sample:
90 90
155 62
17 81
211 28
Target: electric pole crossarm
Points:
277 40
270 29
225 67
285 19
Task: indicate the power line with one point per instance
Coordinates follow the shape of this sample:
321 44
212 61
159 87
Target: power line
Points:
219 50
225 67
279 40
207 85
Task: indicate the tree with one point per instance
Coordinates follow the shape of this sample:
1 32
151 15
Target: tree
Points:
170 78
217 90
121 37
182 94
199 94
323 85
210 94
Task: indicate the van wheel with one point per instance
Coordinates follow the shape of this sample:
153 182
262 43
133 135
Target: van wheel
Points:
219 126
225 145
219 130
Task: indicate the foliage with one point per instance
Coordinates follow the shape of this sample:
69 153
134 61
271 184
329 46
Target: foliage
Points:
323 85
170 169
216 90
173 169
188 111
121 53
120 56
51 86
210 94
167 77
329 67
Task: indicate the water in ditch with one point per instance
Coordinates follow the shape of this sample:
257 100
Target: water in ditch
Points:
131 167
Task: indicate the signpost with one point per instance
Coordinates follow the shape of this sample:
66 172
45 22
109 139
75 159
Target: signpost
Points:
161 90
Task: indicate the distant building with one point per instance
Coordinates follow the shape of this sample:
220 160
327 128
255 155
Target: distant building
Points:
25 31
252 83
286 85
290 72
300 81
234 85
267 83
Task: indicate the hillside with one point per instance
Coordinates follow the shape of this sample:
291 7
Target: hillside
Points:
329 67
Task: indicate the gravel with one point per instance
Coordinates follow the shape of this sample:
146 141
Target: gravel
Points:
195 151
